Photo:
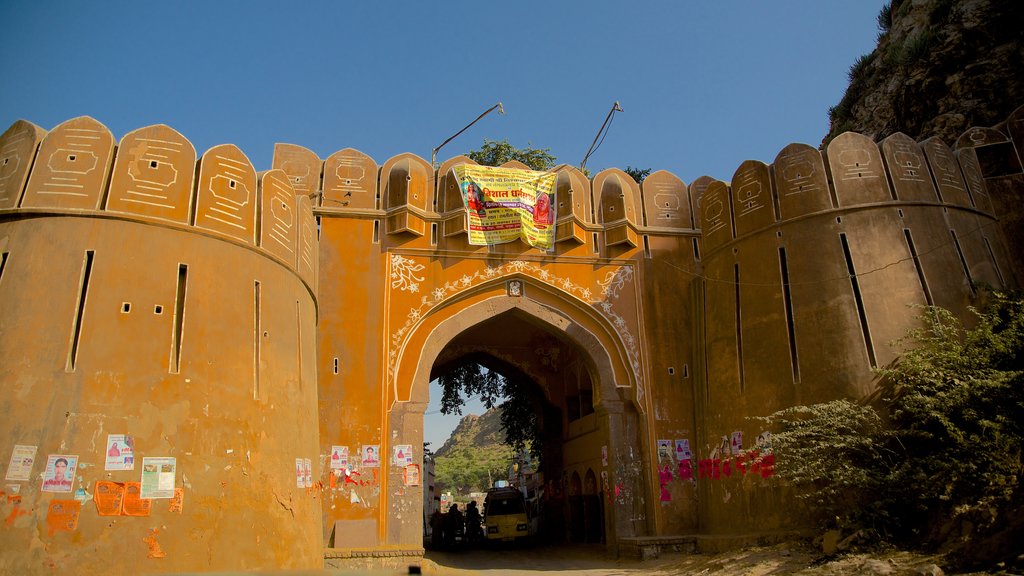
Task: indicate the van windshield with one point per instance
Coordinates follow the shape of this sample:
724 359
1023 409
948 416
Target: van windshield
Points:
500 506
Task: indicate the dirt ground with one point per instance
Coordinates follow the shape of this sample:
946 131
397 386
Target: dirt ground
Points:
762 561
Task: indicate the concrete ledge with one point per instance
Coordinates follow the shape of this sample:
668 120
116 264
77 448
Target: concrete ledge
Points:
651 547
376 558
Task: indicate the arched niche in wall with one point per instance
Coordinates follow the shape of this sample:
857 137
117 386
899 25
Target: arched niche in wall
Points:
154 175
72 166
18 146
908 169
226 193
800 181
573 204
618 208
350 180
666 201
449 194
278 215
857 171
302 167
572 194
449 197
407 188
617 196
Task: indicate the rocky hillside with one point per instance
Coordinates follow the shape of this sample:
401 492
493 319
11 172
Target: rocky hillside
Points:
474 431
474 455
940 67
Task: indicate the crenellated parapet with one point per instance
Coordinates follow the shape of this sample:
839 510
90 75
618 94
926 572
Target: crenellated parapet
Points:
154 176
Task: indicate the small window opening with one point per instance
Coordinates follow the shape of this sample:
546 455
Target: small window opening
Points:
335 365
671 370
126 307
232 183
153 163
158 309
71 157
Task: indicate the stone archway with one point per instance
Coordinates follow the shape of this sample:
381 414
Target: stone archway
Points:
605 433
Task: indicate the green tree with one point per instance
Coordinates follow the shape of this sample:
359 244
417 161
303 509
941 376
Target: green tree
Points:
518 416
637 174
497 152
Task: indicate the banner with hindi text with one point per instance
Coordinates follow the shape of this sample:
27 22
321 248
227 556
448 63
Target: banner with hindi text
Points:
507 204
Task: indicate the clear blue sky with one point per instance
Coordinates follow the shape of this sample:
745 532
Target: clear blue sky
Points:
704 85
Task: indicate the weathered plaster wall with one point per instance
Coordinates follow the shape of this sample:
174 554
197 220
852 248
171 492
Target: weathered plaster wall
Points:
812 271
137 318
149 292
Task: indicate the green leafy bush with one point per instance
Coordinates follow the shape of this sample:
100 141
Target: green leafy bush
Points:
937 458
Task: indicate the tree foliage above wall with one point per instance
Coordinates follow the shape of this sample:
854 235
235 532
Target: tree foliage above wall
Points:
497 152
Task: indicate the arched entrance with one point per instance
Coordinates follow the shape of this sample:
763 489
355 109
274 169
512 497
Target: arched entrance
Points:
587 415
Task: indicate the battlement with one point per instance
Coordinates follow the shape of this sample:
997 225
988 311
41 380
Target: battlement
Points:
153 175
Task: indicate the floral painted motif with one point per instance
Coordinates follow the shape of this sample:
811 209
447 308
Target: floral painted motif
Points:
403 277
403 273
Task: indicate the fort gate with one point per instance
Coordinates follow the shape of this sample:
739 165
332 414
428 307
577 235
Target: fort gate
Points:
265 340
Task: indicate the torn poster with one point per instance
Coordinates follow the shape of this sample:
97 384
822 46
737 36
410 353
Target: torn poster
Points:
300 473
412 475
307 467
664 449
62 516
108 497
133 504
339 457
177 503
402 454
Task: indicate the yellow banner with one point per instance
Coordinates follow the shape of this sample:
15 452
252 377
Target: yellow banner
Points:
507 204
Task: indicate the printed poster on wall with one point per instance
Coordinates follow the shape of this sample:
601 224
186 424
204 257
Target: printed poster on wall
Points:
664 449
120 452
300 473
108 497
508 204
339 457
402 454
412 475
737 442
62 516
371 456
23 457
158 475
133 504
59 473
307 467
683 450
